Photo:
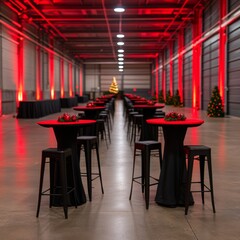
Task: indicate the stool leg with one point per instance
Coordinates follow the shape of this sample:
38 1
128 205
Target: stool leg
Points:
40 185
105 136
74 183
143 154
211 181
99 166
109 120
133 169
188 183
64 185
202 167
132 133
129 126
53 179
160 157
147 177
88 159
108 130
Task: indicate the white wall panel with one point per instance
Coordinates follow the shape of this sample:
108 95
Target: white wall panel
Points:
57 73
91 77
233 71
29 63
10 61
66 76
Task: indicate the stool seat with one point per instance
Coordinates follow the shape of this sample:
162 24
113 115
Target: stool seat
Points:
145 147
89 143
57 158
202 154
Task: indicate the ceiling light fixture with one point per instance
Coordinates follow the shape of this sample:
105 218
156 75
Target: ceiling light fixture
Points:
120 35
120 50
120 70
120 66
120 63
120 55
120 43
120 59
119 9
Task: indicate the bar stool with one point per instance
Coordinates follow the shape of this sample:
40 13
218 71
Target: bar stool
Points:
145 147
89 143
202 154
57 157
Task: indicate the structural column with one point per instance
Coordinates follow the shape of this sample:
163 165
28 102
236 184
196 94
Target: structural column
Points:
197 52
222 51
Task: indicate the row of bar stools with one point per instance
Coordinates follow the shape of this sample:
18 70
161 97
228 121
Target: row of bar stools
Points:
106 118
130 123
136 126
145 147
202 154
56 157
101 131
89 143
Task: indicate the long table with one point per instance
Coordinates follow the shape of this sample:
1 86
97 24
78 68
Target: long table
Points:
38 108
69 102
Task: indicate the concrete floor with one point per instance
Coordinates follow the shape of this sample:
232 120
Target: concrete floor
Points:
112 215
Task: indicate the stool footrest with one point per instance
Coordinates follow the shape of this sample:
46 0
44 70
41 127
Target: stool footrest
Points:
71 189
151 184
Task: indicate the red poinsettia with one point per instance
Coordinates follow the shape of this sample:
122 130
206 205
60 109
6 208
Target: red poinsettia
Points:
90 104
65 117
174 116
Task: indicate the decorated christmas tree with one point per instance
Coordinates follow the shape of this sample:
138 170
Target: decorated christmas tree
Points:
169 98
215 106
114 86
161 97
177 99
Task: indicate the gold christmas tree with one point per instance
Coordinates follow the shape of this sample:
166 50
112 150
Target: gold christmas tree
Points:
114 86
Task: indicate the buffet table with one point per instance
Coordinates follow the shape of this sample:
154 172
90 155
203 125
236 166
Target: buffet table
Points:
69 102
38 108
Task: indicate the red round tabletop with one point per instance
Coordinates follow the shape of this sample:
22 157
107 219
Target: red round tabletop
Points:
52 123
156 105
85 108
187 122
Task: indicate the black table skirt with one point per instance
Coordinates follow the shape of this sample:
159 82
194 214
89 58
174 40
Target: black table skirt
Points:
69 102
38 108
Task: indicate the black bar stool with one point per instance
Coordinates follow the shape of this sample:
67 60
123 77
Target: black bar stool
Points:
146 147
202 154
89 143
56 158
